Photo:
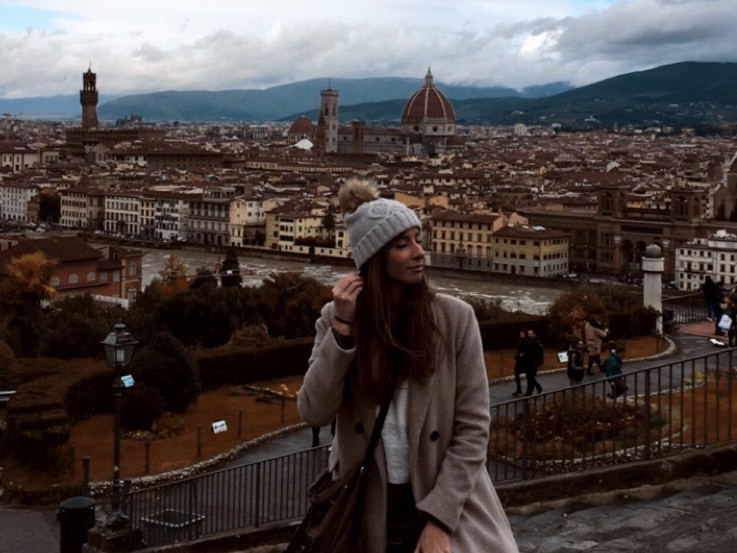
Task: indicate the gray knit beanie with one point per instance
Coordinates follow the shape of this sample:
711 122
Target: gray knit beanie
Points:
372 222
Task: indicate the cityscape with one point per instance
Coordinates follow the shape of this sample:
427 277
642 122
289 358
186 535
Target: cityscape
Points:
589 190
522 200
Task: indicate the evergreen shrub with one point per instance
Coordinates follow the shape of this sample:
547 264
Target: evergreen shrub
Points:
140 407
232 365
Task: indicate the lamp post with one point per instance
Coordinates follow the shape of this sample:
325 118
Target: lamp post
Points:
118 346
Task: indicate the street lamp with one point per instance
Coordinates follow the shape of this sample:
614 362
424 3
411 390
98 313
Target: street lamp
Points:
118 346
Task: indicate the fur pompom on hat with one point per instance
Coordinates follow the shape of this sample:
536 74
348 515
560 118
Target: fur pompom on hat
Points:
372 221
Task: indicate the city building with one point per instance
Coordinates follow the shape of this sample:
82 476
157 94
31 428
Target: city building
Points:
714 256
109 274
530 250
91 141
16 197
463 240
613 240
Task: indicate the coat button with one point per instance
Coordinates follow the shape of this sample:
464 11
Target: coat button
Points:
434 436
359 428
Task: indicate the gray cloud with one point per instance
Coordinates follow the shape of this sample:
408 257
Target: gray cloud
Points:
488 50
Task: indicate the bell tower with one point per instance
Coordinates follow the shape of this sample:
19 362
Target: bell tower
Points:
327 122
88 98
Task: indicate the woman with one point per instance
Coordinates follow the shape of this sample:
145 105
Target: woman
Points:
594 335
385 333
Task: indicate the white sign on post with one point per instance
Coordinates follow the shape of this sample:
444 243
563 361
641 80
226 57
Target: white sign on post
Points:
219 426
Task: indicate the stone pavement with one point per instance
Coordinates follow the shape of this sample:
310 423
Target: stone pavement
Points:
693 516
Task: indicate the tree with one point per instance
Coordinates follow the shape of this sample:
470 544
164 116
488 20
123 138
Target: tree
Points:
30 275
165 365
230 269
8 368
199 317
140 407
569 314
174 275
21 293
203 277
75 326
290 304
49 207
328 223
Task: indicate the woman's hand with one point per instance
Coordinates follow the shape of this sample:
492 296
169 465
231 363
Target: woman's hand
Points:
345 292
433 539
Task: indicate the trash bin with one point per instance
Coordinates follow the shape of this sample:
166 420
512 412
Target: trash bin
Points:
171 526
76 515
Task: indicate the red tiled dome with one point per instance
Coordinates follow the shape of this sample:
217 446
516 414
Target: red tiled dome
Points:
302 126
428 104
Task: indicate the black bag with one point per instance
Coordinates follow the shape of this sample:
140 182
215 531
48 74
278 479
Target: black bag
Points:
618 388
332 522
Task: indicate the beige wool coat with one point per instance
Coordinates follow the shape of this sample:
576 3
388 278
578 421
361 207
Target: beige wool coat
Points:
448 422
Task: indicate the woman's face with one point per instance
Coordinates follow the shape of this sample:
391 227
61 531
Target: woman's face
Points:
405 262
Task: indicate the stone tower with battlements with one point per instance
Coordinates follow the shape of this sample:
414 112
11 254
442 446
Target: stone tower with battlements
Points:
88 98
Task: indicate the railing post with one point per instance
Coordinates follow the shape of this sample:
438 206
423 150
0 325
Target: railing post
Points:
648 413
85 475
257 494
526 431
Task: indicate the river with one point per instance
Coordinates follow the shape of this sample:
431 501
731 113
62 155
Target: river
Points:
512 297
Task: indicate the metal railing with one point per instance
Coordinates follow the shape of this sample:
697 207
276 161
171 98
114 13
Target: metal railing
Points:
666 409
684 309
241 497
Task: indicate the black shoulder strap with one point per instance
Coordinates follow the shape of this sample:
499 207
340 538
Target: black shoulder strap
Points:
376 432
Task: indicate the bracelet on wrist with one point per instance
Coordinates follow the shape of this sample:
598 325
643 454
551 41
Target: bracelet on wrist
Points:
344 321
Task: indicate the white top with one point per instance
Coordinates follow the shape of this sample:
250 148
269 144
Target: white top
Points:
395 436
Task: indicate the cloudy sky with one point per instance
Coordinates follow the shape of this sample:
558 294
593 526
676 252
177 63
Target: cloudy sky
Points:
151 45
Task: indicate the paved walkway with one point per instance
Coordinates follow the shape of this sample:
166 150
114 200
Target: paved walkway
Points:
685 517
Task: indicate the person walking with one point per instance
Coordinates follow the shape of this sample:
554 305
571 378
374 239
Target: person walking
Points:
533 359
720 306
613 368
519 365
593 335
387 334
574 369
709 290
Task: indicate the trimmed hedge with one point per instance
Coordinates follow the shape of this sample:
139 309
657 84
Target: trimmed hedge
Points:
505 334
232 365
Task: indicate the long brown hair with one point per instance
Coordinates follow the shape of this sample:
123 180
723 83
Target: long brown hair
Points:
396 335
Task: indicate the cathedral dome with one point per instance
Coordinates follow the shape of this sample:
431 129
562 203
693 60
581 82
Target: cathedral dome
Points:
428 111
301 128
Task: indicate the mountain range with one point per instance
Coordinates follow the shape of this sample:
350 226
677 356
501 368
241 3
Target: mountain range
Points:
687 93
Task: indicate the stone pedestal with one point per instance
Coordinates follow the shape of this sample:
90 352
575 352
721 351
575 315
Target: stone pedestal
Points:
652 292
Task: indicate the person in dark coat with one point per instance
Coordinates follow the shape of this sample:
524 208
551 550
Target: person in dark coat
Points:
519 365
720 307
575 363
613 368
709 289
533 359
